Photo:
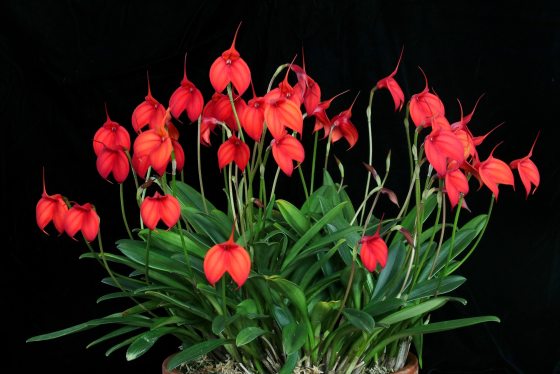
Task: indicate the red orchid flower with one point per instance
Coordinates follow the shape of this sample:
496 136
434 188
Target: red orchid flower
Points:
186 98
227 257
493 171
160 207
455 184
528 171
252 116
230 67
286 90
110 134
285 150
82 218
373 251
342 127
149 113
391 84
442 146
50 208
424 106
233 150
322 121
310 89
113 160
280 113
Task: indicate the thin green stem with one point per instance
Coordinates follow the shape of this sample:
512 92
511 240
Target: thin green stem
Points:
303 182
121 195
239 129
441 235
147 262
370 144
315 141
198 160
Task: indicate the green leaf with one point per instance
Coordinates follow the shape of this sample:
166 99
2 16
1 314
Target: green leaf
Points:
189 196
221 322
290 364
291 291
195 351
113 334
391 273
428 288
146 341
377 308
359 319
310 273
181 304
247 335
415 310
293 216
293 337
246 307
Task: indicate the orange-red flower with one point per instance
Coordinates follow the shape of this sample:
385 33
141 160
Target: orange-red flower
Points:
285 150
391 84
234 150
110 134
113 160
322 121
50 208
455 184
425 106
186 98
342 127
160 207
280 113
230 67
310 88
148 113
373 251
227 257
82 218
492 172
252 117
528 171
442 146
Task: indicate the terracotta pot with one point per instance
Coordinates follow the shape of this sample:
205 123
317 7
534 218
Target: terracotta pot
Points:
411 365
164 367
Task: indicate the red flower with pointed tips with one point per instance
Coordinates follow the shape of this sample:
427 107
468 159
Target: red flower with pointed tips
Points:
310 88
82 218
51 208
322 121
342 127
285 150
230 67
455 184
424 106
391 84
160 207
442 146
233 150
148 113
252 117
227 257
493 171
373 251
110 134
280 113
113 160
528 171
187 98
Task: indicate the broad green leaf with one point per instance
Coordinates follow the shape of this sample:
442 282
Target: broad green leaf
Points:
415 310
377 308
136 251
122 344
113 334
146 341
291 291
391 274
310 273
428 288
359 319
247 306
195 351
189 196
290 364
293 337
247 335
293 216
221 322
181 304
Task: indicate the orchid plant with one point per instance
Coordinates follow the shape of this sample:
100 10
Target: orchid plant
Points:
330 284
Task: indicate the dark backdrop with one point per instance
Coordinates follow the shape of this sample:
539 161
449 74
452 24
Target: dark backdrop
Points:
62 60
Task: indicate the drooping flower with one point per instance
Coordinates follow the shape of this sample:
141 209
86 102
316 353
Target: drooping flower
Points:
252 117
373 251
493 171
441 147
425 106
227 257
187 98
391 84
310 88
50 208
285 150
160 207
280 113
322 121
110 134
230 67
233 150
456 184
82 218
528 171
113 160
148 113
342 127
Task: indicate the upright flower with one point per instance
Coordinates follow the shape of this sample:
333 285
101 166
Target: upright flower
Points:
230 67
50 208
528 171
187 98
110 134
424 106
82 218
391 84
148 113
493 171
286 149
227 257
373 251
160 207
234 150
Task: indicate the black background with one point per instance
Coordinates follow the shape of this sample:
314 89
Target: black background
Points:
62 60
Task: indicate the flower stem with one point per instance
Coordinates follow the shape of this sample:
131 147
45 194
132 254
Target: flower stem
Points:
121 195
199 165
315 140
147 262
370 139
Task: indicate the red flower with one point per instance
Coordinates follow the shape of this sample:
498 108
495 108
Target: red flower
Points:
310 88
442 146
149 113
285 150
230 67
342 127
160 207
82 218
234 150
230 257
252 117
373 251
186 98
113 160
50 208
286 91
455 184
528 171
424 106
493 172
322 121
154 147
391 84
111 134
281 113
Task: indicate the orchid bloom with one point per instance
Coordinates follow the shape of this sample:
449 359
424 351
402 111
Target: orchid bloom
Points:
187 98
82 218
230 67
528 171
442 146
252 117
322 121
424 106
342 127
160 207
227 257
110 134
456 185
148 113
391 84
51 208
493 171
310 88
234 150
285 150
280 113
115 161
373 251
